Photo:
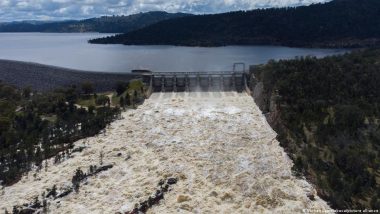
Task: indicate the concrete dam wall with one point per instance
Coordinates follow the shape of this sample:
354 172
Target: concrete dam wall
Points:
196 81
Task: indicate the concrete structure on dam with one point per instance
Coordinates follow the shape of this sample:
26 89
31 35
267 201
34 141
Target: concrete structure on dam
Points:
197 81
235 80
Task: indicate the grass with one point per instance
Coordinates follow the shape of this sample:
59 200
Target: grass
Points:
134 85
50 118
87 101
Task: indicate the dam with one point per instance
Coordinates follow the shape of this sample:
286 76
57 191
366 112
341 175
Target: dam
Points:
217 144
211 81
198 81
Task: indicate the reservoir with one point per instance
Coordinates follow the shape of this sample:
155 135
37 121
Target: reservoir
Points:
71 50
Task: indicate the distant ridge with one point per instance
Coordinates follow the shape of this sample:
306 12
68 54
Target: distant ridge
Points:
339 23
105 24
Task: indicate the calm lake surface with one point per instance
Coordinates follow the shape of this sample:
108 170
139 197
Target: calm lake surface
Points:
71 50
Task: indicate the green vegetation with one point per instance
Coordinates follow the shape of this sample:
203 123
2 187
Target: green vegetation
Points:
129 94
38 126
105 24
339 23
34 127
88 88
327 114
121 87
124 92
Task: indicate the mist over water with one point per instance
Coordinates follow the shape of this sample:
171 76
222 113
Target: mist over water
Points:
71 50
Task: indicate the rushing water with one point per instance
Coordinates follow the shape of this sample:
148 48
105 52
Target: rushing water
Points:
73 51
218 145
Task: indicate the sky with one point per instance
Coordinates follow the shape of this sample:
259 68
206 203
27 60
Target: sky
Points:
16 10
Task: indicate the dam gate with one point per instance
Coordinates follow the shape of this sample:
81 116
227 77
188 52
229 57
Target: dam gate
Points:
196 81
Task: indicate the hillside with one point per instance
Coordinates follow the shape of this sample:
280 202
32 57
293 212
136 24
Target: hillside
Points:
327 113
340 23
106 24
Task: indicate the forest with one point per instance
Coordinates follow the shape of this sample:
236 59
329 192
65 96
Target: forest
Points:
327 115
36 126
104 24
339 23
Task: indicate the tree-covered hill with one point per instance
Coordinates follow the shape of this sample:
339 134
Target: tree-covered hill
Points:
339 23
105 24
327 114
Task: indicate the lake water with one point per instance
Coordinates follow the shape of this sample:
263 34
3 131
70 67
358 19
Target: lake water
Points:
71 50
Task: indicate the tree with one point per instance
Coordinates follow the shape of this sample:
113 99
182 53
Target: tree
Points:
7 108
375 203
101 158
91 109
46 165
15 210
54 191
87 87
4 124
122 102
120 88
26 92
298 165
102 100
135 98
77 178
44 206
127 99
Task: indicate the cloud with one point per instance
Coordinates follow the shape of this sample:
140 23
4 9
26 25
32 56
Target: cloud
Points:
11 10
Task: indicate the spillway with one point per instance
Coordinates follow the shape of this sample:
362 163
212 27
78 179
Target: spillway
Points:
196 81
218 144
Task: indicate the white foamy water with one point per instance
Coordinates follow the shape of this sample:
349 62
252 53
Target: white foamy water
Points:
218 145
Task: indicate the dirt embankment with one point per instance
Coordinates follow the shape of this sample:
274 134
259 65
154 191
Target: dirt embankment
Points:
44 78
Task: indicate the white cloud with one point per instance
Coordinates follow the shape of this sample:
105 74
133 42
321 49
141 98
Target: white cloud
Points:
77 9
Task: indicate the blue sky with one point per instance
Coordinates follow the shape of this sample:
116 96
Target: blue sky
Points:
15 10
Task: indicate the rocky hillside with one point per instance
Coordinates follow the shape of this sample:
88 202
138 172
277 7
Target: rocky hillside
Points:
327 114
